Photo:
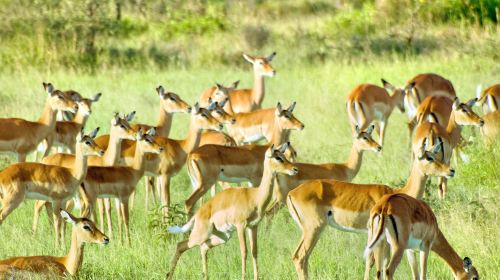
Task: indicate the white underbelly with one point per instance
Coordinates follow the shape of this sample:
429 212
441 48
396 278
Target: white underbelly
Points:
253 138
223 178
37 196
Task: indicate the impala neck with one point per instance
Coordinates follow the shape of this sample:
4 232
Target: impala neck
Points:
164 123
80 119
112 154
48 116
265 190
453 130
415 186
80 166
139 160
193 139
353 163
280 135
258 90
74 259
441 247
395 99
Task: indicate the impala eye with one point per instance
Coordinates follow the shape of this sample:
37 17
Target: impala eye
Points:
122 126
86 227
279 159
366 138
430 159
172 99
88 143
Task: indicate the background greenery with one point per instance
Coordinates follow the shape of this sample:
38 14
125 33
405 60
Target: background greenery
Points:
125 48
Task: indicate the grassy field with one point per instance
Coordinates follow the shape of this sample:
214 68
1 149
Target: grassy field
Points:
469 217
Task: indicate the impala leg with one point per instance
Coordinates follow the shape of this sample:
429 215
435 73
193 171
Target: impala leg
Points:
424 254
9 203
301 255
443 184
368 265
165 193
252 232
21 157
382 131
147 190
380 255
132 199
39 204
119 218
181 248
125 216
412 260
201 189
243 248
57 222
213 241
107 208
397 252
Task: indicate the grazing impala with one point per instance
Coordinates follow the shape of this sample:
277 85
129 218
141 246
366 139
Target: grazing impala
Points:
208 164
260 124
461 114
119 181
489 98
346 206
120 129
170 103
22 137
48 182
407 223
234 208
248 100
84 231
66 131
368 103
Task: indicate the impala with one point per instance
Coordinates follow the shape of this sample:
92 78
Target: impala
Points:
248 100
48 182
22 137
489 98
84 231
218 137
66 131
208 164
461 114
407 223
234 208
120 129
369 103
346 206
218 93
119 181
260 124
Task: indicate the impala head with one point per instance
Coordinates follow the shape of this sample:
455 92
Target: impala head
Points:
86 231
430 161
398 93
277 161
147 142
221 92
470 272
464 115
120 126
364 141
85 104
87 144
262 65
290 152
286 119
218 112
203 119
58 100
171 102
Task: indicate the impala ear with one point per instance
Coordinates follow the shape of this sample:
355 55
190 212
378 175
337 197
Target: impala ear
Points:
467 264
284 146
80 135
49 88
151 132
248 58
388 86
471 102
278 109
437 148
370 129
235 84
196 108
96 97
161 91
139 134
68 217
290 109
358 131
219 86
223 102
270 57
115 119
456 103
270 151
479 92
211 106
93 134
130 116
410 86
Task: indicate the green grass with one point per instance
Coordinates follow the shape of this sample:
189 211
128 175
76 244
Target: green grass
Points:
468 217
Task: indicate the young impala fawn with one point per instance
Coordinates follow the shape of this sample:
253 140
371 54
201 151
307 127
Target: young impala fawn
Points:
84 231
234 208
368 103
120 129
66 131
406 223
260 124
47 182
22 137
488 99
119 182
461 114
346 206
248 100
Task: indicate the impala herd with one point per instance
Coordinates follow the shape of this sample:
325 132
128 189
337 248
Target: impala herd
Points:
95 169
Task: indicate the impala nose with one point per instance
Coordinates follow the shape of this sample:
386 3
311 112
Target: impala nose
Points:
452 173
379 148
105 241
233 121
221 126
189 109
481 123
302 127
161 149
